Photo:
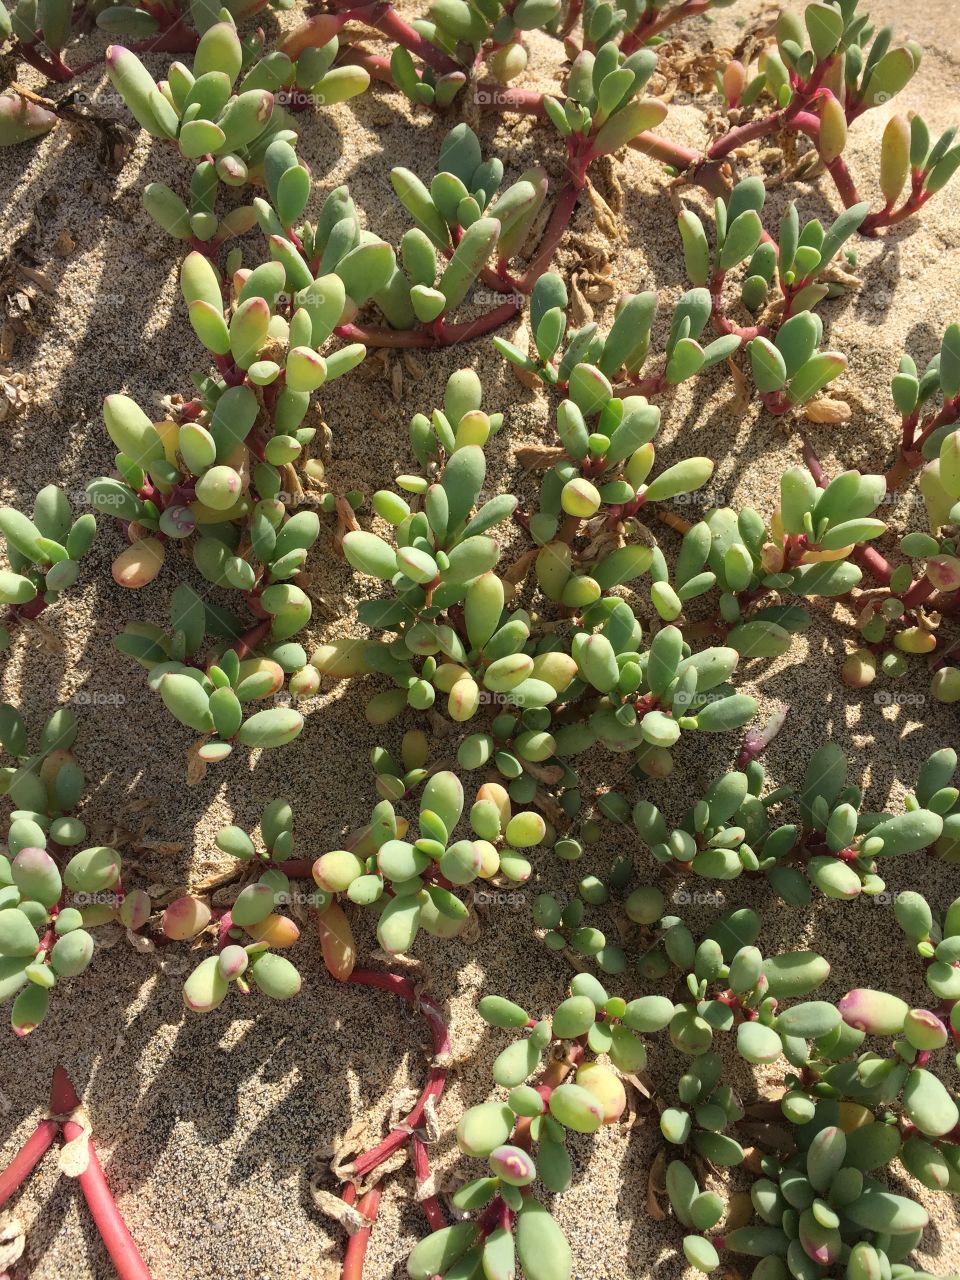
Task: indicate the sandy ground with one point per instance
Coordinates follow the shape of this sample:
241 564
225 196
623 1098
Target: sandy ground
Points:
212 1129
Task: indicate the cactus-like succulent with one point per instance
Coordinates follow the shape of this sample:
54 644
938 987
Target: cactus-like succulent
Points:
44 553
832 846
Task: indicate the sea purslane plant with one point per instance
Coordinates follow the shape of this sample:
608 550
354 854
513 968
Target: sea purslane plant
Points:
44 552
51 891
461 223
410 874
832 845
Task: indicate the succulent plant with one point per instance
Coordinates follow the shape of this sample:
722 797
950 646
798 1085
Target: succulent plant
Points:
622 353
828 68
175 27
638 21
523 1137
564 928
226 126
44 555
252 932
228 459
50 890
435 56
40 30
817 1206
412 877
928 435
807 551
221 478
461 222
833 846
794 269
603 110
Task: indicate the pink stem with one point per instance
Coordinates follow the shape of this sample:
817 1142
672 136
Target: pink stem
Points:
27 1159
356 1250
113 1230
446 336
437 1077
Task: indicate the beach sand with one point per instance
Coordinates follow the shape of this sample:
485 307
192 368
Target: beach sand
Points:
212 1130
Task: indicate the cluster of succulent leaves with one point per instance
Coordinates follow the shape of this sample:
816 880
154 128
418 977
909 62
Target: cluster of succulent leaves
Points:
522 1136
252 915
623 352
44 552
123 18
489 33
51 891
221 480
603 109
457 632
461 218
411 876
563 923
604 21
893 628
49 24
804 553
228 127
791 267
832 845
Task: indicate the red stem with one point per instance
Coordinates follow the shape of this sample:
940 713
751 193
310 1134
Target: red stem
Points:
54 67
447 335
646 30
356 1251
27 1159
421 1171
384 18
437 1077
113 1230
